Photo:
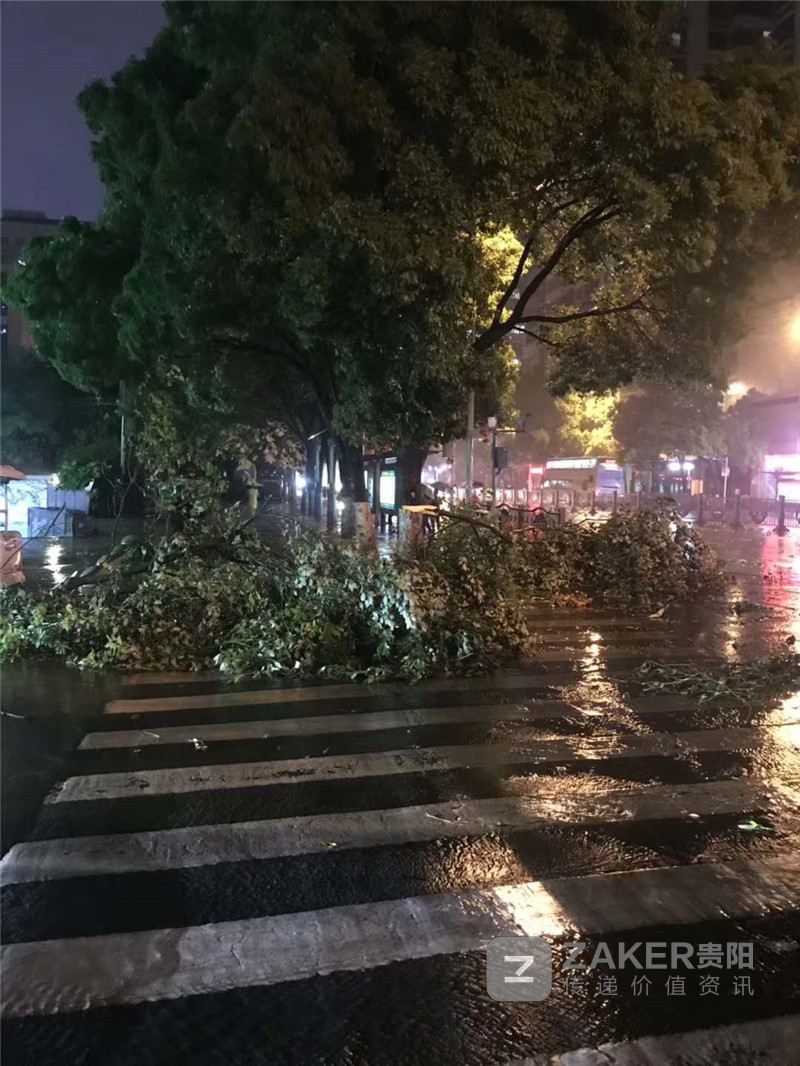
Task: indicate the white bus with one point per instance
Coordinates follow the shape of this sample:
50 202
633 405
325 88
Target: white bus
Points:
584 475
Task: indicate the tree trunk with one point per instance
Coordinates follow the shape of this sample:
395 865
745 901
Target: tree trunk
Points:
356 518
409 492
351 471
317 482
307 499
409 475
330 462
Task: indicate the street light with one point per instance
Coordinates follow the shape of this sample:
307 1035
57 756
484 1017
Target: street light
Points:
491 422
794 329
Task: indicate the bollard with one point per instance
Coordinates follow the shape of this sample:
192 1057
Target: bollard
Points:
639 500
700 514
614 503
737 511
781 528
594 502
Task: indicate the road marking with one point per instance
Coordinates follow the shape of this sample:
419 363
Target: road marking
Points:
602 652
583 637
311 693
153 677
364 721
175 780
173 849
774 1040
57 976
597 622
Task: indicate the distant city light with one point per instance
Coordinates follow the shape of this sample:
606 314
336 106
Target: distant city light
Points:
674 466
300 482
737 388
785 464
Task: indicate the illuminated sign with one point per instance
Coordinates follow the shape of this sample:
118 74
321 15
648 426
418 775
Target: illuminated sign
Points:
536 469
571 464
387 488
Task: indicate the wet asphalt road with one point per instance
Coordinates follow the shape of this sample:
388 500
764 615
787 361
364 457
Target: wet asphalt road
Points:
283 875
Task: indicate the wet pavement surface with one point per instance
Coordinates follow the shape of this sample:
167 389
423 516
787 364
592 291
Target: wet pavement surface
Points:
277 874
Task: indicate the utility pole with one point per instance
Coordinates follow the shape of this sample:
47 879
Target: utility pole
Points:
470 435
492 423
123 430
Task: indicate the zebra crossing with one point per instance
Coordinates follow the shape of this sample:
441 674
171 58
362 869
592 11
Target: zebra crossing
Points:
311 873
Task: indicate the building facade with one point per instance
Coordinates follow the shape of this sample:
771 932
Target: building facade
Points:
705 29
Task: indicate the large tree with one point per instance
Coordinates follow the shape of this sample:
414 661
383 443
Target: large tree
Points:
342 211
409 130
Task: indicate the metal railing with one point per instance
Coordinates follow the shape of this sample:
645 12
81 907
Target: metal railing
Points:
569 504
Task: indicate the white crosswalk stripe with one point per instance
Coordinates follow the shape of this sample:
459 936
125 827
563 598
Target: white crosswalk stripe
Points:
776 1041
313 693
360 722
65 974
238 842
410 761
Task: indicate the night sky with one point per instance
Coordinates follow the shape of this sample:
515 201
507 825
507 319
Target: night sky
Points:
50 51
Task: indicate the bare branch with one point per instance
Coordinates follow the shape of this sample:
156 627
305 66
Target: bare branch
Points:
523 259
593 218
596 312
525 255
536 336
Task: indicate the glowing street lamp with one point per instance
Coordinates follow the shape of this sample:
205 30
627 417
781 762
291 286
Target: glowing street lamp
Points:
794 329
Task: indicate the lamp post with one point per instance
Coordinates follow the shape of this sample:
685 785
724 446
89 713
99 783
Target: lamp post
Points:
470 435
491 422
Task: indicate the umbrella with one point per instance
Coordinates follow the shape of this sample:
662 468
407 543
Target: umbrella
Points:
10 473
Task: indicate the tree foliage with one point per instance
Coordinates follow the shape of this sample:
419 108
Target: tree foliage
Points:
746 431
587 424
655 419
41 416
66 289
334 215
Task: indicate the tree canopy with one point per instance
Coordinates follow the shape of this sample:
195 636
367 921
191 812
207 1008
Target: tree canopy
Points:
335 215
